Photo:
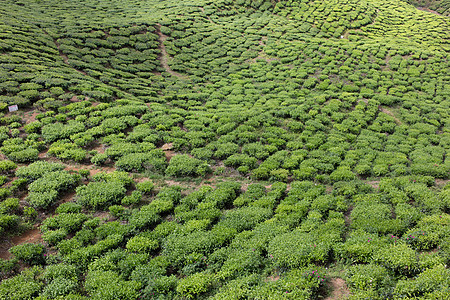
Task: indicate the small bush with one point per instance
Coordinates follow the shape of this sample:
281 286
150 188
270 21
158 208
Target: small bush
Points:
193 286
32 254
69 207
100 194
183 165
7 166
145 187
141 244
38 169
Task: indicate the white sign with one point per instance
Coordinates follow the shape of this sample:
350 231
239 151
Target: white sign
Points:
13 108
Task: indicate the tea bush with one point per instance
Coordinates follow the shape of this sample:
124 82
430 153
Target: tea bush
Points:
32 254
26 285
97 195
183 165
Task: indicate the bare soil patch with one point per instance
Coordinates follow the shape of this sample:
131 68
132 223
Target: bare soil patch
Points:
441 182
98 147
67 197
92 169
30 236
339 289
273 278
31 116
374 183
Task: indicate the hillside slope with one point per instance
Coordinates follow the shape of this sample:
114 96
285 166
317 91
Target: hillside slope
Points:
230 149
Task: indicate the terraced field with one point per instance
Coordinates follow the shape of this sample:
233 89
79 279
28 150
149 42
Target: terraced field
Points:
230 149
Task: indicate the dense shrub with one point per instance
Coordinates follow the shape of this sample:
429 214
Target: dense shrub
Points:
297 249
100 194
151 161
7 166
108 285
145 187
38 169
26 285
32 254
195 285
183 165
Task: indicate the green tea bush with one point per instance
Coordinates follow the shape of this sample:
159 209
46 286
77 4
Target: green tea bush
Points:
244 218
57 131
142 244
342 174
32 254
59 287
97 195
297 249
7 166
71 222
195 285
8 268
146 217
423 285
108 285
42 200
55 181
360 246
99 159
399 258
53 237
24 156
134 198
145 187
152 161
375 218
8 222
161 286
37 169
183 165
429 232
367 277
68 207
26 285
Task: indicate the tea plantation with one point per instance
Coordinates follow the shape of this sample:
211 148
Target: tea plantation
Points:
227 149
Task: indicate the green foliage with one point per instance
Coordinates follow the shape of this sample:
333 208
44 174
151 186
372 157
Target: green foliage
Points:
183 165
141 244
335 92
100 194
26 285
108 285
153 161
71 222
7 166
367 277
399 258
297 249
145 187
32 254
38 169
195 285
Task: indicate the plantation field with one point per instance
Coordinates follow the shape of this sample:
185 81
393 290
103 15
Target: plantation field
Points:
228 149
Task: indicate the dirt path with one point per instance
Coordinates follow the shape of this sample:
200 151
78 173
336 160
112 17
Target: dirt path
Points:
30 236
428 10
64 56
339 289
390 113
164 57
91 168
209 19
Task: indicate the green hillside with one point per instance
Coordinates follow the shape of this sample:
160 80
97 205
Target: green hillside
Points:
228 149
